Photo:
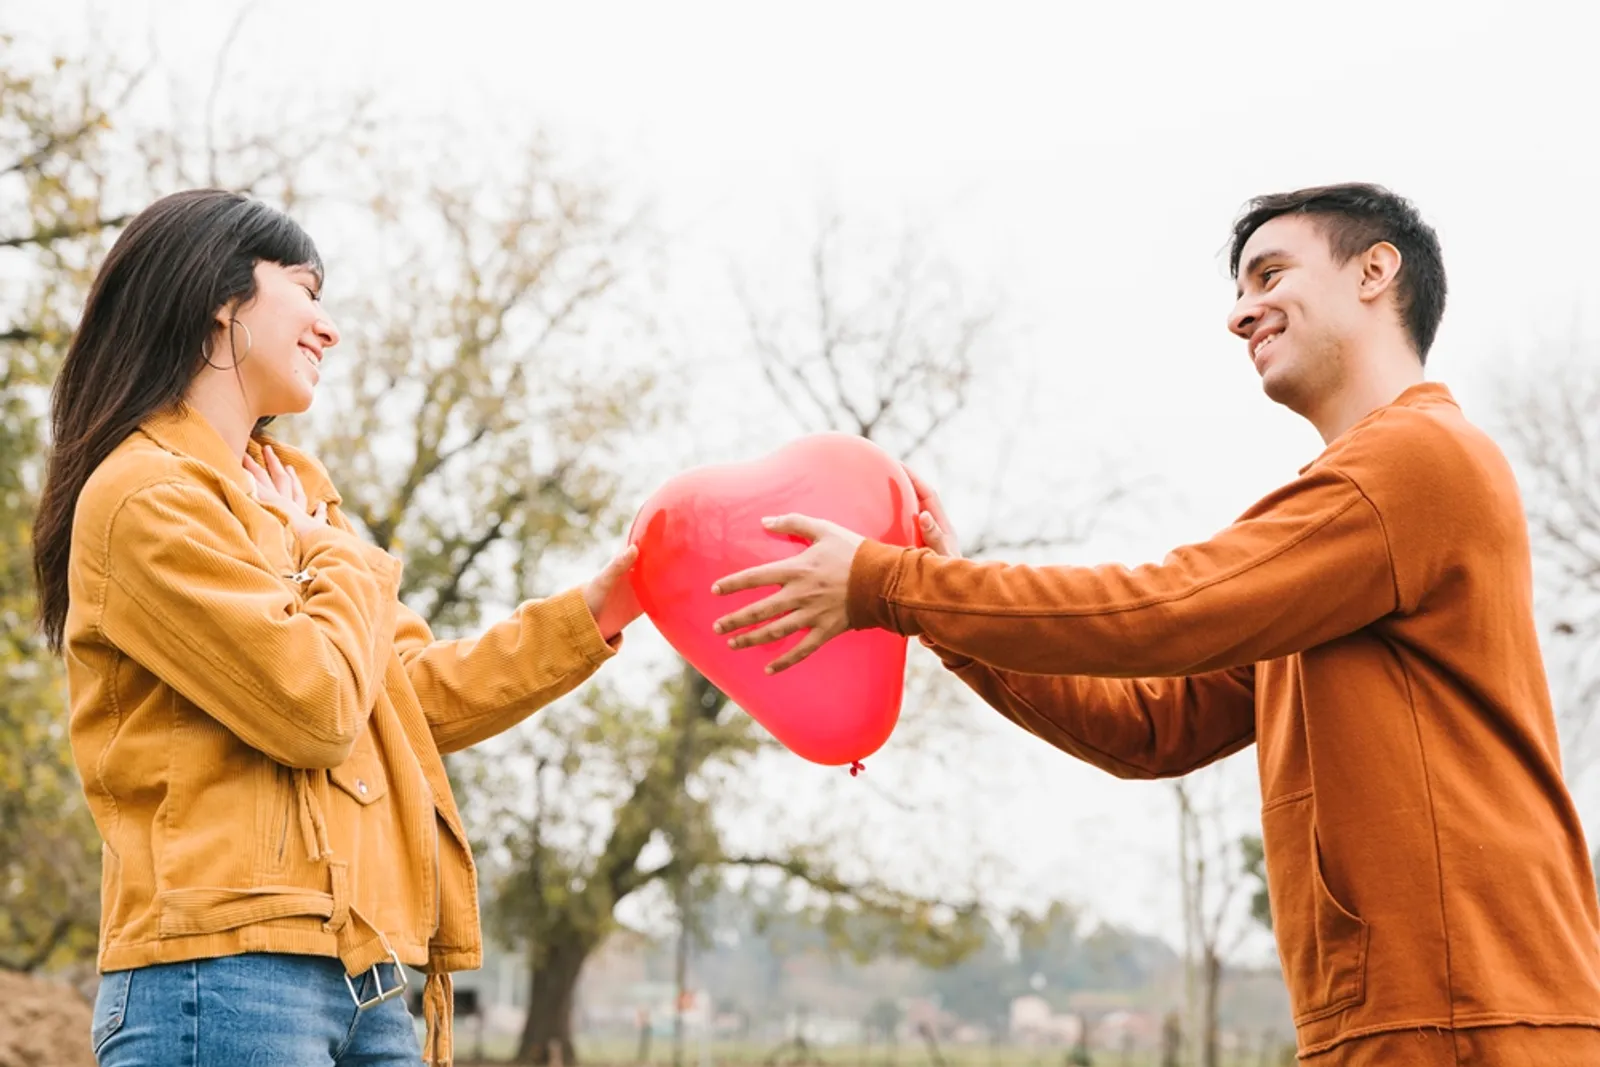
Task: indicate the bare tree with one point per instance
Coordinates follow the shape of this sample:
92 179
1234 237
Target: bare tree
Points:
1213 873
893 348
1550 422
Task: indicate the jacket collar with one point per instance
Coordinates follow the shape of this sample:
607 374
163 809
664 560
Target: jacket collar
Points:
184 431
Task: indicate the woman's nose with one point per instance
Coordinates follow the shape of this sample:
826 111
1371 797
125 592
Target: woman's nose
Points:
327 332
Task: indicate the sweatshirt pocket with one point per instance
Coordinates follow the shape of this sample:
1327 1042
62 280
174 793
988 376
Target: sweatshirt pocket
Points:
1322 944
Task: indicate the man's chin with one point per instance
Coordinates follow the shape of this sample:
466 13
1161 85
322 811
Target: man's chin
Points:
1283 388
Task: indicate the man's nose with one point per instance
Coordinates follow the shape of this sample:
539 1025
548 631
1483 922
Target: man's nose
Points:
1242 320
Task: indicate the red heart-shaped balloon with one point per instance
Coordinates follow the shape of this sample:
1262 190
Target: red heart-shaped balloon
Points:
841 703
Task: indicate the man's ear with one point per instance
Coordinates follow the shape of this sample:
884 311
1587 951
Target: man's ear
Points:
1380 266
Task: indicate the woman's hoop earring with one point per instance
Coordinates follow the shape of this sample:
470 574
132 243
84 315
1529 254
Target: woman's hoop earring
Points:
249 342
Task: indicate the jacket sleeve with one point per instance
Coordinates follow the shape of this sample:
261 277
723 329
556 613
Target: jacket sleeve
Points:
1308 564
474 688
1132 728
290 668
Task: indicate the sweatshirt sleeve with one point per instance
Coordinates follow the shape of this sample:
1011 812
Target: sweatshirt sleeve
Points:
475 688
1307 564
1129 727
290 668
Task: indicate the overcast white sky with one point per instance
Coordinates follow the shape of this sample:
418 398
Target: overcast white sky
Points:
1086 162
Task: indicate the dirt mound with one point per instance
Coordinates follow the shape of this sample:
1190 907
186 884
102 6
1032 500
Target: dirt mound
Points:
42 1024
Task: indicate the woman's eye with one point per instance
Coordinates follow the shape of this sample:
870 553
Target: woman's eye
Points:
312 293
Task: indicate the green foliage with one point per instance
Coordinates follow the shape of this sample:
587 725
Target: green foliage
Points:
1255 865
53 225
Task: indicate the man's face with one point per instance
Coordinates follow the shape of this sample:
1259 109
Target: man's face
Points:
1297 310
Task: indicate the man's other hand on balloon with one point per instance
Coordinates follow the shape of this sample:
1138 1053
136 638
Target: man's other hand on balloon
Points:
812 594
937 533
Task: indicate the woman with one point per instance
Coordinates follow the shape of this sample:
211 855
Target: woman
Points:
257 719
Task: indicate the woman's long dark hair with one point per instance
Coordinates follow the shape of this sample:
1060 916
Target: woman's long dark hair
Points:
143 336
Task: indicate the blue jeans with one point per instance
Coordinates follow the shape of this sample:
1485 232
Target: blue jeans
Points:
262 1009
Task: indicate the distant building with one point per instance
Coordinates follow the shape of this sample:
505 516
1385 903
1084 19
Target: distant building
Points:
1034 1022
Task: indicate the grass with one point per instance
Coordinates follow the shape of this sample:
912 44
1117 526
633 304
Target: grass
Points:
619 1052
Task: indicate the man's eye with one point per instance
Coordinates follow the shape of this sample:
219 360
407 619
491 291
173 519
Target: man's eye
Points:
312 293
1268 274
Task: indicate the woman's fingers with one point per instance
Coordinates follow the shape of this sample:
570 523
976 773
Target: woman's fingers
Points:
280 475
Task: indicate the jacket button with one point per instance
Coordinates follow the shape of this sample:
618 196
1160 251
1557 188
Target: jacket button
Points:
361 787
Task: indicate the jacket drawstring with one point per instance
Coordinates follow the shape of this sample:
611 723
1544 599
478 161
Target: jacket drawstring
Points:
438 1007
438 993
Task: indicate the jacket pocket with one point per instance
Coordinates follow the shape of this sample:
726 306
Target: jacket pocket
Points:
1322 944
361 776
110 1008
283 816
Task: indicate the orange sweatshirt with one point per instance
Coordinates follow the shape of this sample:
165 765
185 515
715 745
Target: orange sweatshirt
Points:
1371 626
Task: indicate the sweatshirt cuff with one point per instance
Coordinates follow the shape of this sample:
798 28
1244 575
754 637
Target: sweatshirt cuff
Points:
874 572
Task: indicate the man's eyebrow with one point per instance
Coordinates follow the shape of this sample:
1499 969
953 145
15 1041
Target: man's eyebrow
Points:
1255 264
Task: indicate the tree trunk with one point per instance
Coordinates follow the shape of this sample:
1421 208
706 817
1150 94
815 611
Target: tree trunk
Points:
553 981
1213 997
1171 1040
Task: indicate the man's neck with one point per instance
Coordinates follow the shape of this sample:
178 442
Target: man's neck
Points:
1372 383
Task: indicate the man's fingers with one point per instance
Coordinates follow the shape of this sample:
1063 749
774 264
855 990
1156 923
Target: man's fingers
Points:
813 641
925 491
774 631
933 535
762 610
798 526
753 578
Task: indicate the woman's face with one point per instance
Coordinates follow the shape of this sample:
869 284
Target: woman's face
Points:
278 340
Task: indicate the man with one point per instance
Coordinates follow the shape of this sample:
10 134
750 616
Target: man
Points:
1369 625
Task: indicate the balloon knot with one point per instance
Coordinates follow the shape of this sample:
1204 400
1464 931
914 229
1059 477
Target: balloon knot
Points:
856 767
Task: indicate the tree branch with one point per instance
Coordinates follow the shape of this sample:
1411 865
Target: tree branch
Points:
41 952
62 231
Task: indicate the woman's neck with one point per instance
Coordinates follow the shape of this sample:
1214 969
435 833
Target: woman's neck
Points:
221 403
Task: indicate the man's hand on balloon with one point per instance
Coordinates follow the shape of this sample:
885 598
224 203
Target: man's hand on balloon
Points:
812 595
610 597
937 533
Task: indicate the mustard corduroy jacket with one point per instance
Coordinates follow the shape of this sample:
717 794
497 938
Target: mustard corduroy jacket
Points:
258 721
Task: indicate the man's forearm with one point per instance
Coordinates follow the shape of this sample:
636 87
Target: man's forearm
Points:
1132 728
1304 568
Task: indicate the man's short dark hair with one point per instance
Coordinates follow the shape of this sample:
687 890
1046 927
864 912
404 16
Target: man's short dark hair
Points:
1354 217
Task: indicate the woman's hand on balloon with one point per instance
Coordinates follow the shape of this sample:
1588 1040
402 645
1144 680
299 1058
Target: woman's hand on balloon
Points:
610 596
